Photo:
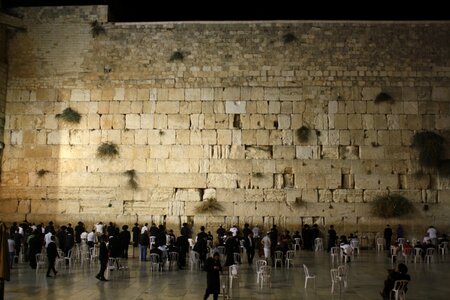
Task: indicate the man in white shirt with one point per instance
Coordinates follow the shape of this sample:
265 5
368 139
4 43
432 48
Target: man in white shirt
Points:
48 238
99 228
144 228
91 239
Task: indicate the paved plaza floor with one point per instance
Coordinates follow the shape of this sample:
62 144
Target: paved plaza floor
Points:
366 274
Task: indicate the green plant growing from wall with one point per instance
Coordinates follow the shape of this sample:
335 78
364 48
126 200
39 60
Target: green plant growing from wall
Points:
209 206
430 147
258 175
303 134
176 56
42 172
391 206
69 115
289 38
97 29
108 150
132 176
383 97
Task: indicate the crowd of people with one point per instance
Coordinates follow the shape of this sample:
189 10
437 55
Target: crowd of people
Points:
112 241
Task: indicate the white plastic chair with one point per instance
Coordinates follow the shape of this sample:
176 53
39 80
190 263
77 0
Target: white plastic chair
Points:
308 276
297 245
429 255
290 258
266 273
94 254
318 244
393 253
342 273
195 260
334 253
152 241
278 257
355 245
237 258
259 263
68 259
335 279
399 290
233 272
417 254
443 248
155 262
380 244
40 261
173 259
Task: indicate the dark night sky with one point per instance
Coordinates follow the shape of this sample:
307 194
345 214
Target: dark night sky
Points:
191 10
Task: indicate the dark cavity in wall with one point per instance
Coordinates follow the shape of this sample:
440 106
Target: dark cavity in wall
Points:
237 121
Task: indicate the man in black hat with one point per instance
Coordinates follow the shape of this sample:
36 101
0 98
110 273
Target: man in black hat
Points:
213 269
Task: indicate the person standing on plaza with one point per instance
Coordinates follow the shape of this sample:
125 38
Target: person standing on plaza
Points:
332 237
52 254
267 245
103 258
388 236
213 270
249 243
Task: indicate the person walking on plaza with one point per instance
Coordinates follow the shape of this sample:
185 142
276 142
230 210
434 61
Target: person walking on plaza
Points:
213 270
52 254
103 257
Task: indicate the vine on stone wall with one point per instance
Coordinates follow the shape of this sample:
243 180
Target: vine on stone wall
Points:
108 150
208 206
97 29
69 115
132 176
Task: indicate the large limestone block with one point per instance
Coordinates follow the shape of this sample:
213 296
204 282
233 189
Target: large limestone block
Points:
183 180
207 94
80 95
371 152
262 181
235 107
306 152
167 107
230 195
176 94
177 166
178 121
440 94
221 180
274 195
243 209
284 152
363 181
232 93
370 93
79 137
267 208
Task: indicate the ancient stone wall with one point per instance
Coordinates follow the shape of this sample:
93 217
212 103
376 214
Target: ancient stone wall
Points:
277 121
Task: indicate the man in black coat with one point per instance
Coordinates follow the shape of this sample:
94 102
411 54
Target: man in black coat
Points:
103 257
125 238
249 243
183 245
213 269
52 254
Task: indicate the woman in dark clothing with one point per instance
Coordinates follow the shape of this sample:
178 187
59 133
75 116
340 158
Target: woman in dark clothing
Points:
213 269
103 257
52 254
